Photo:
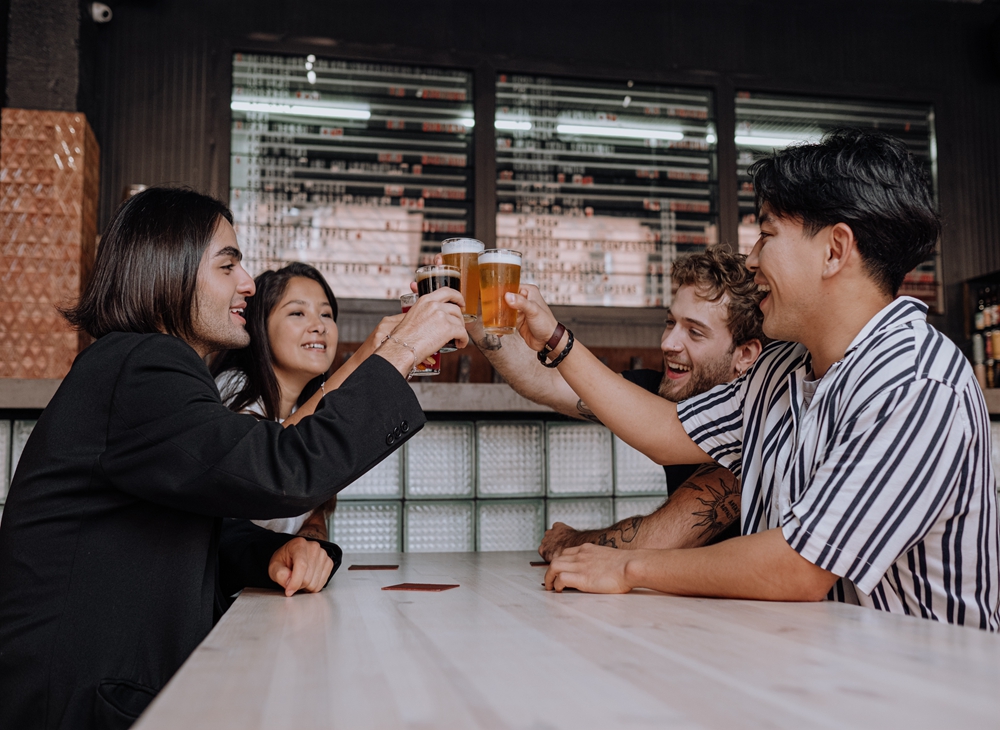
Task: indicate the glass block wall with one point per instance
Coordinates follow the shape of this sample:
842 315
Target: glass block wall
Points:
495 485
493 489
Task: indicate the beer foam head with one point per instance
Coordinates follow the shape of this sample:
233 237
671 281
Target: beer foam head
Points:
462 245
500 256
425 272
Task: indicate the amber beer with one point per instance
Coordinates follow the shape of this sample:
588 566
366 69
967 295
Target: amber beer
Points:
431 278
499 273
463 254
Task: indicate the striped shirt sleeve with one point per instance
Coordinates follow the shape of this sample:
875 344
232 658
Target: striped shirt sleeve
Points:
714 421
878 487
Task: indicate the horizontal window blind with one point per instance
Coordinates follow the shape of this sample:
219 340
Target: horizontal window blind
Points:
359 169
602 184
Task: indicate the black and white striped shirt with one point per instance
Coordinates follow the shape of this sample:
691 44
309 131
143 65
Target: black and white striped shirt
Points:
879 472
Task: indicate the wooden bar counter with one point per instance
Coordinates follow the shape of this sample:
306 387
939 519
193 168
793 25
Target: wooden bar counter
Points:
501 652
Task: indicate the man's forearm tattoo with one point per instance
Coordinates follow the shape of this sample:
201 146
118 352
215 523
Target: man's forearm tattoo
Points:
721 501
619 534
489 342
584 410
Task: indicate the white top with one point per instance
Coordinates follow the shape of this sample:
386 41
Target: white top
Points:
882 477
229 384
501 652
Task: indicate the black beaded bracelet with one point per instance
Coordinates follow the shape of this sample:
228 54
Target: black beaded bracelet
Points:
562 355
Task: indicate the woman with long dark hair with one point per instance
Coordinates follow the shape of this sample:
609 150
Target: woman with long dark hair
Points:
292 323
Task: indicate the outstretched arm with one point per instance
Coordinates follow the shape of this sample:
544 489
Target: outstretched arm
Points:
760 566
642 419
519 366
701 508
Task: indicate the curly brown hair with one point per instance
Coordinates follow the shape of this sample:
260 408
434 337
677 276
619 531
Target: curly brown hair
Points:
718 272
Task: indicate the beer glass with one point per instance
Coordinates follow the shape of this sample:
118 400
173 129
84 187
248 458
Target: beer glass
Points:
431 278
421 368
499 273
463 254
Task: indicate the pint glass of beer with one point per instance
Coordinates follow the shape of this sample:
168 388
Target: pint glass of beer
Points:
420 368
499 273
463 254
430 278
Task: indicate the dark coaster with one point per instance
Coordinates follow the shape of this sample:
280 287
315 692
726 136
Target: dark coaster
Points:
432 587
374 567
538 563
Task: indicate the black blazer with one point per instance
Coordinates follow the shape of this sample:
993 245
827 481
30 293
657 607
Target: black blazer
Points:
112 545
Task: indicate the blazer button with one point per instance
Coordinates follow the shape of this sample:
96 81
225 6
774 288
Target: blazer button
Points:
390 440
404 427
397 432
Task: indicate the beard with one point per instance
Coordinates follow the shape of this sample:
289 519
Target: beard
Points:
703 378
216 334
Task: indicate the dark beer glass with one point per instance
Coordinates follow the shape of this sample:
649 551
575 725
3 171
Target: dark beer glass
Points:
431 278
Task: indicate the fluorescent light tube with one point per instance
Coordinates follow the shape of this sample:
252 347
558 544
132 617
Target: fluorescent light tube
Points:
755 141
511 125
300 110
631 133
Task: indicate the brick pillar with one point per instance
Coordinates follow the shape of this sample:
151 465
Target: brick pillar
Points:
49 185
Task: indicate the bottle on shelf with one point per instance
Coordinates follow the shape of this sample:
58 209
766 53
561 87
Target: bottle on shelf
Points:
979 318
987 309
979 359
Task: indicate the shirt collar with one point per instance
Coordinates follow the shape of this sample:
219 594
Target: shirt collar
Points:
898 313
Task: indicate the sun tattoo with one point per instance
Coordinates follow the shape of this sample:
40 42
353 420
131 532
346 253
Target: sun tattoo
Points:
722 502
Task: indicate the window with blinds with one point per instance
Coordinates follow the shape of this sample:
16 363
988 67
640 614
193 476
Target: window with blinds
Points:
765 122
359 169
602 184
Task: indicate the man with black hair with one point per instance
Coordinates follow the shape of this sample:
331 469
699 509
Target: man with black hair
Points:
862 442
115 557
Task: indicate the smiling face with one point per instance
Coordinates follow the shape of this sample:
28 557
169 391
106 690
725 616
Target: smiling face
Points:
697 347
221 292
788 264
302 333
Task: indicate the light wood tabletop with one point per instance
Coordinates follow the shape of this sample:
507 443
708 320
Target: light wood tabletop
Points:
501 652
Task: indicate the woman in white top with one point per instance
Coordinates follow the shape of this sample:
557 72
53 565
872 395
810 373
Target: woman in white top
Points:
281 376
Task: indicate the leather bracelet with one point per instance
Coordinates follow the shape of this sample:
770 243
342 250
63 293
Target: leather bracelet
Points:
553 342
562 355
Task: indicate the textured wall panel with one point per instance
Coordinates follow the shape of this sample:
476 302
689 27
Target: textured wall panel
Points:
579 460
385 481
48 219
509 524
580 514
439 527
367 527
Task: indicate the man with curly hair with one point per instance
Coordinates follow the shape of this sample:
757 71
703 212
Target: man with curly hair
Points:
713 335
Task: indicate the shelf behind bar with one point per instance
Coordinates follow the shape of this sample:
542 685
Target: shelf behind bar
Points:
24 393
20 393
